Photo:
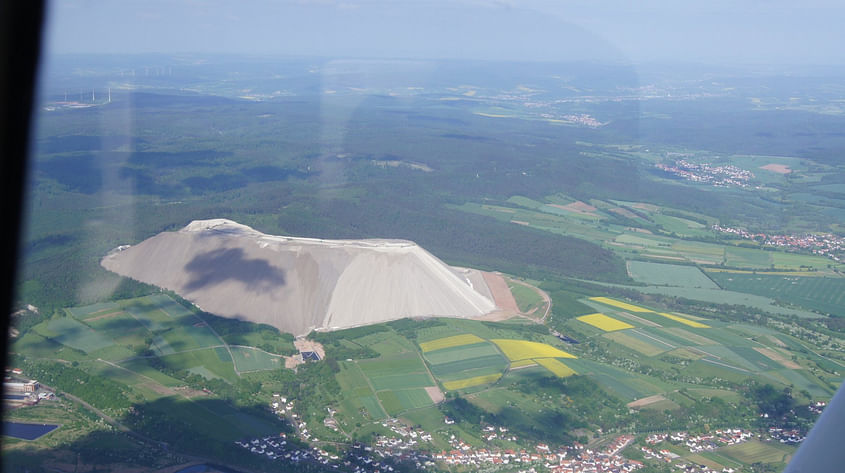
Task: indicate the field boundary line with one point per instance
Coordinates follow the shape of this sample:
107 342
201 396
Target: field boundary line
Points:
820 355
655 339
145 357
726 365
173 391
705 353
254 348
641 320
229 350
372 388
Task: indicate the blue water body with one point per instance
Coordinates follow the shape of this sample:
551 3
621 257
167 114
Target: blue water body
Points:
26 431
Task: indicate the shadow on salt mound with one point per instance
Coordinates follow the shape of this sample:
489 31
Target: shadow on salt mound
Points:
256 274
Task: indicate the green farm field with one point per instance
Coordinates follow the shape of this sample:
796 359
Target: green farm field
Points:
373 407
149 315
92 310
413 398
725 297
252 359
390 402
378 368
357 394
825 295
402 381
680 226
755 451
659 274
451 369
167 305
636 344
398 401
627 386
144 368
70 332
449 355
747 258
215 361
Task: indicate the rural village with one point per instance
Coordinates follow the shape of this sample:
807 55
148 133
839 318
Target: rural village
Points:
405 446
824 244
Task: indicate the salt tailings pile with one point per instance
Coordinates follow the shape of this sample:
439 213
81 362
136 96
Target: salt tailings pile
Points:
300 284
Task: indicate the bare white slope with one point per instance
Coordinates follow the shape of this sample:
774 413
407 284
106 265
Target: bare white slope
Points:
300 284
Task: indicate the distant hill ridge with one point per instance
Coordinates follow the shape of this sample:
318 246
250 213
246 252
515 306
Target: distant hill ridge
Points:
300 284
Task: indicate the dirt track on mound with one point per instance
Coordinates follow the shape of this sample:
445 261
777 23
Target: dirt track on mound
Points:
502 295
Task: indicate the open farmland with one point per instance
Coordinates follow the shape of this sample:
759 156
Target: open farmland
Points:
396 373
685 321
556 367
358 394
448 355
717 350
822 294
666 249
402 373
456 369
619 304
687 335
726 297
93 310
475 364
148 314
517 350
252 359
608 324
626 385
660 274
379 367
209 363
74 334
167 305
747 258
448 342
471 382
755 451
475 361
398 401
637 344
134 338
545 218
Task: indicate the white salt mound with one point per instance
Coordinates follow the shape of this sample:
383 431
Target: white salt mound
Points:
300 284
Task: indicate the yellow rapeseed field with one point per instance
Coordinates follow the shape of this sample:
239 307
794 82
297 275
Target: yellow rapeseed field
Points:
470 382
517 350
559 369
521 363
621 305
449 342
691 323
608 324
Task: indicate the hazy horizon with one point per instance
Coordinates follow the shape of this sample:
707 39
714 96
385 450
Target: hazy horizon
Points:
717 33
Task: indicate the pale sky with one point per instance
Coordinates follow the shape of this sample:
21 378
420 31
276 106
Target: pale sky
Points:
629 31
